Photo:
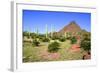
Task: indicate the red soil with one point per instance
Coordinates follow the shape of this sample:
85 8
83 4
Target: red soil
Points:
75 48
50 56
87 56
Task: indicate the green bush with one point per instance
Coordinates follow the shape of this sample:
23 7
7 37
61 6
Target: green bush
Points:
54 38
36 43
32 35
27 34
69 38
86 45
45 39
62 39
73 40
86 41
53 47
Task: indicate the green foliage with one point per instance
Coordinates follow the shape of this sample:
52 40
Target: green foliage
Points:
27 34
55 36
73 40
62 39
45 39
86 45
86 42
33 35
86 36
30 53
68 35
53 47
35 43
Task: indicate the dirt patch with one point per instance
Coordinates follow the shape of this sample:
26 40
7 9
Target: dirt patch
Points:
50 56
75 48
87 56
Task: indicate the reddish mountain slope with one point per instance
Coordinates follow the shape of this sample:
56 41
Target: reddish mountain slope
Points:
71 27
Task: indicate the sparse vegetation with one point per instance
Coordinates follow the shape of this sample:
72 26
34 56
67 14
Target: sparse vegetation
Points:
73 40
86 45
53 47
62 39
86 42
56 47
27 34
45 39
35 43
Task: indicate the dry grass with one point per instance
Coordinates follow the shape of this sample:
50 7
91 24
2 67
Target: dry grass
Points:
40 53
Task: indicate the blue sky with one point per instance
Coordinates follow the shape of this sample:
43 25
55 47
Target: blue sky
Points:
33 19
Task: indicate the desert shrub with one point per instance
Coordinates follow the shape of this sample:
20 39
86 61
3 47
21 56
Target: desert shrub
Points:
45 39
86 42
35 43
53 38
86 45
27 34
62 39
69 38
86 36
53 47
33 35
73 40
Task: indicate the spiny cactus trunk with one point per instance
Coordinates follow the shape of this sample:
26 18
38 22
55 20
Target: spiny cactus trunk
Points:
29 35
37 31
65 35
46 31
51 31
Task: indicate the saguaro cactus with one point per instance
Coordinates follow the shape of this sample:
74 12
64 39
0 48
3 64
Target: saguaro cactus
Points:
37 31
46 31
29 35
51 31
65 34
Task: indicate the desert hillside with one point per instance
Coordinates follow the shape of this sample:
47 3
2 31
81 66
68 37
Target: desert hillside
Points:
71 27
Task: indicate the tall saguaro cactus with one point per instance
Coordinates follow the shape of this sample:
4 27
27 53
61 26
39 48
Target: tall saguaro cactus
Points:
29 35
51 31
46 31
65 34
37 31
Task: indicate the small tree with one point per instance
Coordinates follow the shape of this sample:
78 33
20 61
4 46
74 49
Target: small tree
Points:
62 39
86 45
53 47
27 34
73 40
86 41
35 42
33 35
45 39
